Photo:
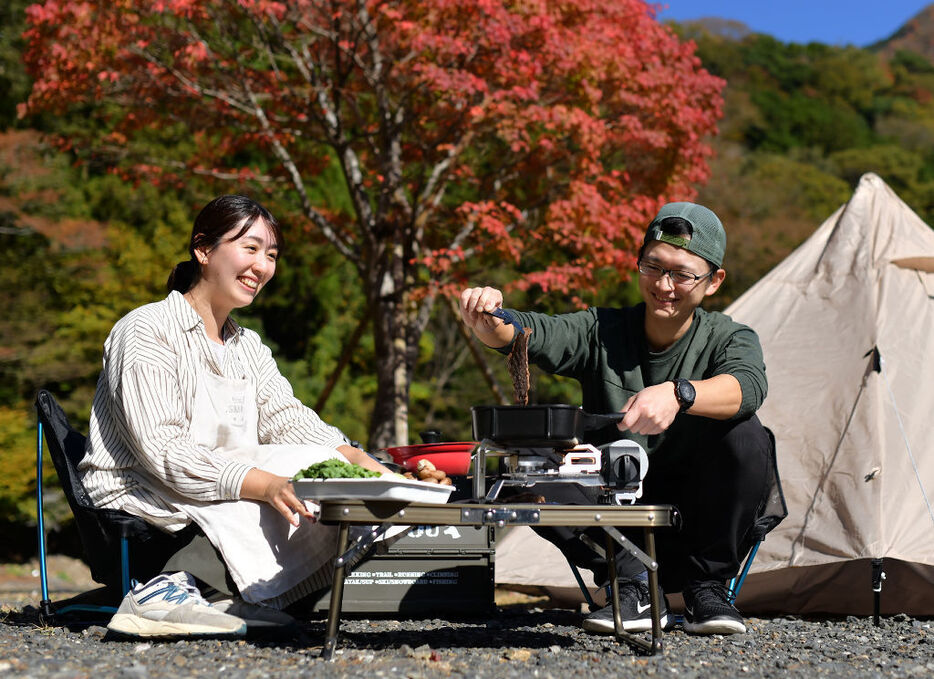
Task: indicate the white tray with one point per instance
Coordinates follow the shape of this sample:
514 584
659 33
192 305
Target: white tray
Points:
401 490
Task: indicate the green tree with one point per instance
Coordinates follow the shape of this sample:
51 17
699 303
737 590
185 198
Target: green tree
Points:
14 84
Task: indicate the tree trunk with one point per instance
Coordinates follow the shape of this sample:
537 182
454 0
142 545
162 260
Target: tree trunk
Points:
383 427
396 334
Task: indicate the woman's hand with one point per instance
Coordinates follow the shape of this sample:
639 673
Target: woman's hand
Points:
277 491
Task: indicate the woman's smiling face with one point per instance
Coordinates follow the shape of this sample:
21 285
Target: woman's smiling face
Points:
233 272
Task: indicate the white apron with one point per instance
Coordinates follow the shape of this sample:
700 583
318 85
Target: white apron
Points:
265 554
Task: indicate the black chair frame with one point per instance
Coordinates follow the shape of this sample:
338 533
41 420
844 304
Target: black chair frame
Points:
773 512
106 534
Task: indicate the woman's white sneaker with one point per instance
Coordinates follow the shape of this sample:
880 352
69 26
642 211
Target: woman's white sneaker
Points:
170 605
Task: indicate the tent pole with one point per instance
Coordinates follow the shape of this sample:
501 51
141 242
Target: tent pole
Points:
878 575
901 427
874 365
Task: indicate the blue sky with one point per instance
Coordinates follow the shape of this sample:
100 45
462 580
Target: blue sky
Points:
835 22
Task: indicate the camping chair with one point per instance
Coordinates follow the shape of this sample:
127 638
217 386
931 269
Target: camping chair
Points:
772 513
106 534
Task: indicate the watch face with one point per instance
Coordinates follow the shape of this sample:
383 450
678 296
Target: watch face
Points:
686 393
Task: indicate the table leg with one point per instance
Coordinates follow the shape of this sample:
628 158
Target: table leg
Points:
337 595
614 586
621 635
653 593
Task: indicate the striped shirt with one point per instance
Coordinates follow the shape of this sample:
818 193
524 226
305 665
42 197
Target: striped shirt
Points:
140 455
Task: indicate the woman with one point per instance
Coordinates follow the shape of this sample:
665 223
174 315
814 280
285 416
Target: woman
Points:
192 421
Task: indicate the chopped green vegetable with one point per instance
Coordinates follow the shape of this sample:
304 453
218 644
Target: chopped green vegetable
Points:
335 469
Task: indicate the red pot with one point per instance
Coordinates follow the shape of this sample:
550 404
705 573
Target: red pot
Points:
452 458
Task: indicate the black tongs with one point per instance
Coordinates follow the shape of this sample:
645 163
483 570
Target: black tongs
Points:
506 318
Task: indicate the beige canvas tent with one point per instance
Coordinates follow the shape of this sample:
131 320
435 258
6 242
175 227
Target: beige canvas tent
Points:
847 328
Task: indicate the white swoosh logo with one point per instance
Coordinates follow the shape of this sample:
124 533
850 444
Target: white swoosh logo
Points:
643 609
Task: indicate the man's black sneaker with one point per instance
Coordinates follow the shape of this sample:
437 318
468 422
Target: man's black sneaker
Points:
707 610
634 607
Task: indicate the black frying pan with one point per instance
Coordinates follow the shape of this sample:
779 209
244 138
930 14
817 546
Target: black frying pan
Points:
536 426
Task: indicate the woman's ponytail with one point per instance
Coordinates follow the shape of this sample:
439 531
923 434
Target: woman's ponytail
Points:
183 276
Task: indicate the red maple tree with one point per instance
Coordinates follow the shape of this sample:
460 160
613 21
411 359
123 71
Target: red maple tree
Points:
468 133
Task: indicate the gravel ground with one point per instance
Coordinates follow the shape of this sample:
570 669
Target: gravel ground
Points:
524 640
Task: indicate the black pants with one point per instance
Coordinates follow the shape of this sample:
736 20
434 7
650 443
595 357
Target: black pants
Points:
719 481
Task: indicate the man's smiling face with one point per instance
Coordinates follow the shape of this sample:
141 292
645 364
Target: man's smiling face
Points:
666 301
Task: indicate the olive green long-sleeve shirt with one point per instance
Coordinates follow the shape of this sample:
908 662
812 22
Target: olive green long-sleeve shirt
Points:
605 350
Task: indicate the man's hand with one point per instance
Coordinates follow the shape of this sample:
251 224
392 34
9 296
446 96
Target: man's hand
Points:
489 329
651 411
476 301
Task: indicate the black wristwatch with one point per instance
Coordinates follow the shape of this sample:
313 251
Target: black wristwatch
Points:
684 392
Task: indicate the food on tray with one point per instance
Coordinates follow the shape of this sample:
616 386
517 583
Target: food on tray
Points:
425 465
335 469
425 470
385 488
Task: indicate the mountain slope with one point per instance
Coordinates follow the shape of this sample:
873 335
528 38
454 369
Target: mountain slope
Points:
917 35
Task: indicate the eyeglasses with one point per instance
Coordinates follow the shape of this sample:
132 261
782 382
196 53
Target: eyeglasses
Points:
678 277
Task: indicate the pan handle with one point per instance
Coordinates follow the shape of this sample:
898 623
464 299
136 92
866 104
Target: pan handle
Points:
591 421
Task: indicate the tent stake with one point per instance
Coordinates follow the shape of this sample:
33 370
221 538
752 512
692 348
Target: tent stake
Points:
878 575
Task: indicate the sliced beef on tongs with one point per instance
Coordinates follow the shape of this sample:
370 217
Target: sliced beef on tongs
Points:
518 365
517 362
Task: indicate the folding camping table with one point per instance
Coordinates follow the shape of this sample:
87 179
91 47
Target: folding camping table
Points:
386 513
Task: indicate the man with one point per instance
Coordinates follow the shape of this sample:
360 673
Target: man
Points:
689 382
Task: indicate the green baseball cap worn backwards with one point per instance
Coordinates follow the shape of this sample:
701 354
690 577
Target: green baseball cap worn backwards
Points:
708 240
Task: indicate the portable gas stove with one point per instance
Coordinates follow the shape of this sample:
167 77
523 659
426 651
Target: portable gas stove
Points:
609 474
540 447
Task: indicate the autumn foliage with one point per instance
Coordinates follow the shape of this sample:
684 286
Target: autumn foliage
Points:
467 133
